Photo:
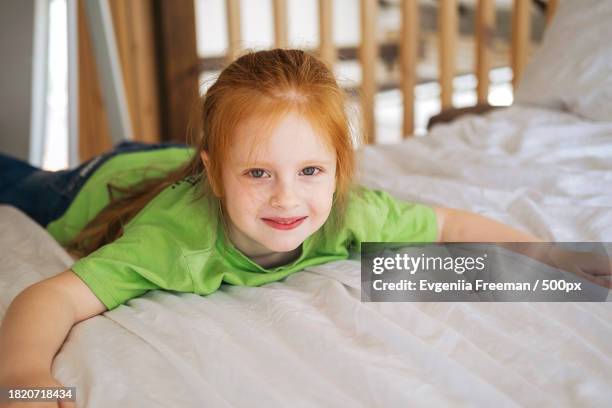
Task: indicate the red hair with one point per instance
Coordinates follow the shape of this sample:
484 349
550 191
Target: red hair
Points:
266 85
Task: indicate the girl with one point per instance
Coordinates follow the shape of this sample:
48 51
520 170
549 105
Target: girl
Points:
266 192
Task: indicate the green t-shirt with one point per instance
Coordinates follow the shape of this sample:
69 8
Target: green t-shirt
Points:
121 170
176 242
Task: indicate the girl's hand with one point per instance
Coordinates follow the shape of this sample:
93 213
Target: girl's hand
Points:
33 380
589 265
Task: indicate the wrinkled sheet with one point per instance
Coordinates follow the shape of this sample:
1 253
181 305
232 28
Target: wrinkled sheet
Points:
310 341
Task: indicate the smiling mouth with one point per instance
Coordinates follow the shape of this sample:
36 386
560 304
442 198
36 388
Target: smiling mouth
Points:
284 223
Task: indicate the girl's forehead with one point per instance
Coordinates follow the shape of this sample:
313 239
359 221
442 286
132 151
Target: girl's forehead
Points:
291 136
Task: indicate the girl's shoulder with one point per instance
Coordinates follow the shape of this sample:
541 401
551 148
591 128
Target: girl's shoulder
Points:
360 195
376 215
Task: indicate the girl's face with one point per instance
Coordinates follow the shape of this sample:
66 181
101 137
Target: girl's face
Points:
281 192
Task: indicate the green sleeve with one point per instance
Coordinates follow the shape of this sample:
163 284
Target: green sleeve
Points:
144 258
376 216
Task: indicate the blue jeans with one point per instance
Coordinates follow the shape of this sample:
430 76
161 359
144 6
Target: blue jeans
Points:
46 195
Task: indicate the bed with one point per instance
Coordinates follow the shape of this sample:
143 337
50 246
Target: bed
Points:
309 339
542 165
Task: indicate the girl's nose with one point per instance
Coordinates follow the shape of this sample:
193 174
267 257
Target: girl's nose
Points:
284 196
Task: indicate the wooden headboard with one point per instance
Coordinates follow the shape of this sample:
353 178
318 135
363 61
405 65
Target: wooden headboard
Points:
369 49
164 36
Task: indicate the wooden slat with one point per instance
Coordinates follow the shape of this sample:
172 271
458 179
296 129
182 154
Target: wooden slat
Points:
520 38
551 9
280 23
133 23
368 55
134 34
485 30
121 24
447 31
178 64
409 40
94 132
144 72
327 50
234 34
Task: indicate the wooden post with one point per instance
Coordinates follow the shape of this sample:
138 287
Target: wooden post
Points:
485 30
520 38
409 41
447 31
135 41
368 55
134 30
234 35
280 23
551 9
327 50
94 131
179 67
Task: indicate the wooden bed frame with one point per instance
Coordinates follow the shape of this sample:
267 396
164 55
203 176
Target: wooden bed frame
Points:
161 34
408 44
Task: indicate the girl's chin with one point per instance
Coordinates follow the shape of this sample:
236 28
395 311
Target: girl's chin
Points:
284 247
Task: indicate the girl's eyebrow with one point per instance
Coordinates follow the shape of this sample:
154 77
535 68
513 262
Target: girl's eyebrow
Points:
301 164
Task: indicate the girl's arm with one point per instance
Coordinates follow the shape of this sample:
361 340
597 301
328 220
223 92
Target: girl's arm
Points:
36 324
463 226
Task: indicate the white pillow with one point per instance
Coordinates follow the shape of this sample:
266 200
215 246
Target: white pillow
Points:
572 69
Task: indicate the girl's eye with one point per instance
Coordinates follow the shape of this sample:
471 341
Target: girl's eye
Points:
257 173
310 171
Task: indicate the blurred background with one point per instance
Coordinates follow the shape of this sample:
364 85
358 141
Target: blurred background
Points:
63 84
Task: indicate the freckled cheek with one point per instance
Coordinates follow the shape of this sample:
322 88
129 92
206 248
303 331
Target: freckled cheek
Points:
320 201
242 200
242 190
252 200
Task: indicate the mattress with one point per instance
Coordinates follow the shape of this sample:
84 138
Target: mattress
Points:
309 340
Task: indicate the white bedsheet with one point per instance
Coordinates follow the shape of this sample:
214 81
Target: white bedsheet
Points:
309 341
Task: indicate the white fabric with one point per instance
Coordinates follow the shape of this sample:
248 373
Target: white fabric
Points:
309 341
572 69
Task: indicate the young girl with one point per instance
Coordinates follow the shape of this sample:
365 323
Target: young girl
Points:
265 192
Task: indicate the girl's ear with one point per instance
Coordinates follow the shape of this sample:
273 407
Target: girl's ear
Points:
204 156
205 161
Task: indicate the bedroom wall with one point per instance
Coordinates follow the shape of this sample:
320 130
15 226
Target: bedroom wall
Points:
16 39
